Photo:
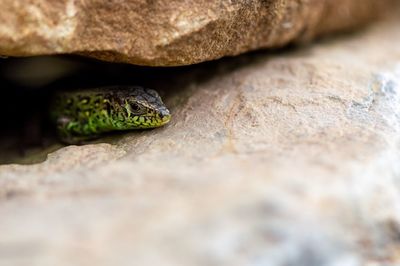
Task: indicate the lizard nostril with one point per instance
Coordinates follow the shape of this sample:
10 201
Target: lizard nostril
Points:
164 112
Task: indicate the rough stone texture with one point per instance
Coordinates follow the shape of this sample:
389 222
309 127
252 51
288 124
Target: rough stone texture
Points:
289 159
172 32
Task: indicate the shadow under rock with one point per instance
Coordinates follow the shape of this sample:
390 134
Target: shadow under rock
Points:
26 135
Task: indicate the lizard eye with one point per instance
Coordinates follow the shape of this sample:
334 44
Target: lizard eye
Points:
136 108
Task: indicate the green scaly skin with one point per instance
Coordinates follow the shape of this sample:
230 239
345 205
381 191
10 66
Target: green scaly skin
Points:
83 115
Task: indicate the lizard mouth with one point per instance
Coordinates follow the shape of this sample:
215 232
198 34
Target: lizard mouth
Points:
152 121
165 119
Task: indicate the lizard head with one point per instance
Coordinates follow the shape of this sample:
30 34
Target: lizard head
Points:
141 108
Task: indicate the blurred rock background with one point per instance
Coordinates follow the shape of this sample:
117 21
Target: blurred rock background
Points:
275 157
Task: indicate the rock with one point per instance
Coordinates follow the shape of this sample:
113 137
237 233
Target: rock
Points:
172 32
289 159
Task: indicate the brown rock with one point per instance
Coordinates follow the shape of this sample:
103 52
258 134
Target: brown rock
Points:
171 32
286 160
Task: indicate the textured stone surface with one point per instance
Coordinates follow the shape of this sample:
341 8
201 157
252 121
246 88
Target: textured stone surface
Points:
172 32
289 159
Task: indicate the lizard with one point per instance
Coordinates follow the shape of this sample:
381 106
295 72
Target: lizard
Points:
83 115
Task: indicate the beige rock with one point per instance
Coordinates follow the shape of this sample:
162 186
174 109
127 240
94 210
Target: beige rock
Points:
172 32
289 159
